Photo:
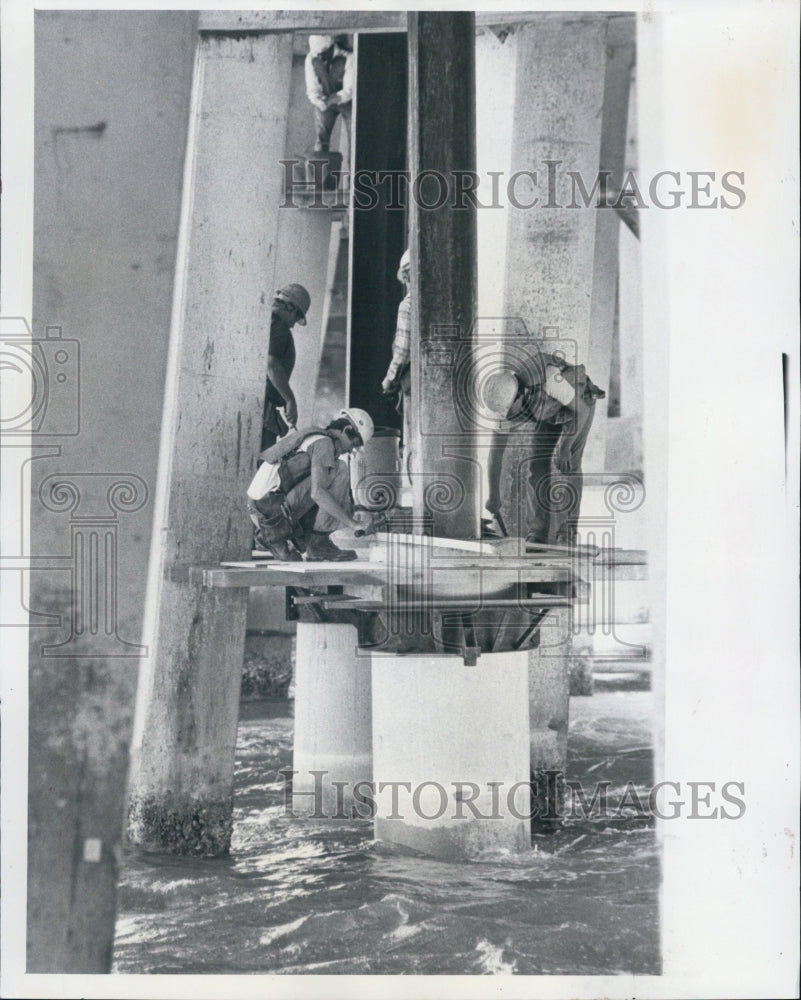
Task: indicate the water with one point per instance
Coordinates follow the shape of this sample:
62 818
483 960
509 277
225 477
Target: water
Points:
301 896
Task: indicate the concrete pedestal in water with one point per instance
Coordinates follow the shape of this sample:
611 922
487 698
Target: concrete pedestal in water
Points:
549 701
451 753
333 727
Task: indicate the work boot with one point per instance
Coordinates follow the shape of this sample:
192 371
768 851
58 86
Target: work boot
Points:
322 549
283 552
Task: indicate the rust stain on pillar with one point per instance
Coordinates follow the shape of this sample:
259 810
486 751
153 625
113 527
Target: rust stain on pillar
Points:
442 136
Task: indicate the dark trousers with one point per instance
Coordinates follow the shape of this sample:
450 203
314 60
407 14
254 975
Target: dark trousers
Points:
553 499
324 122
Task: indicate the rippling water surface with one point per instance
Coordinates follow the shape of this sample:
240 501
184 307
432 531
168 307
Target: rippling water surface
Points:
306 896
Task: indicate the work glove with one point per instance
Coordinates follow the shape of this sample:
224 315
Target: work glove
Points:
389 386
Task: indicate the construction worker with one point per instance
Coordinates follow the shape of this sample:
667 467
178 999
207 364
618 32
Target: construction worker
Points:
309 495
558 401
329 85
290 305
398 378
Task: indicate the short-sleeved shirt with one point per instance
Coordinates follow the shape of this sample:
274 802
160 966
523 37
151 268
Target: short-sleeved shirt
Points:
282 348
323 454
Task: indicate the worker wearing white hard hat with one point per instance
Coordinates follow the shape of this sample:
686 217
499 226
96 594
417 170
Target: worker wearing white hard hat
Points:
330 80
557 403
307 495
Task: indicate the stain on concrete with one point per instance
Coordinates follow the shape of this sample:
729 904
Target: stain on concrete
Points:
186 826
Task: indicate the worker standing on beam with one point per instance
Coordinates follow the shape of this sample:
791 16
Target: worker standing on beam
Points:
398 378
559 401
290 305
329 85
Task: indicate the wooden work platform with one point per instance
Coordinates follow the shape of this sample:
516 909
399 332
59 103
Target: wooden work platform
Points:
455 562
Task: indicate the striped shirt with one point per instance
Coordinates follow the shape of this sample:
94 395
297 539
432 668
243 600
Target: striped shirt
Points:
401 345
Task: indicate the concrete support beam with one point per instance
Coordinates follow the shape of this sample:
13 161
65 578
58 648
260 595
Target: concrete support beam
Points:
333 727
549 683
449 746
446 475
187 706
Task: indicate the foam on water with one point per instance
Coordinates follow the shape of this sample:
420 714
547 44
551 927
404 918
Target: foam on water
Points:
300 896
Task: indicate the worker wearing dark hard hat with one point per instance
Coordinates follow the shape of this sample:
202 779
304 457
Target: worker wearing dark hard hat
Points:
557 401
290 305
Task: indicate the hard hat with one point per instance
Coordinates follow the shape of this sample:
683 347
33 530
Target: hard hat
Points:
403 267
361 422
297 296
319 43
499 392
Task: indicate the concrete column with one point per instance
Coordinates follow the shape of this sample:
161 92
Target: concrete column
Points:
449 748
620 54
105 227
549 683
557 128
442 134
333 730
569 124
187 705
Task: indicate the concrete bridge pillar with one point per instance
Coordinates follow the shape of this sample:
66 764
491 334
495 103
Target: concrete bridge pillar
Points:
549 707
570 112
333 727
443 244
450 753
187 705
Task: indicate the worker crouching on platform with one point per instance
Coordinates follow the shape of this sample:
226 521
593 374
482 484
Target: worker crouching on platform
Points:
301 493
557 401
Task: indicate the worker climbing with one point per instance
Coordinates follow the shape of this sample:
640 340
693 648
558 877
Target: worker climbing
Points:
301 492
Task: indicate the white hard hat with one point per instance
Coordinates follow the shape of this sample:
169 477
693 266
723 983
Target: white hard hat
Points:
499 392
404 266
319 43
361 422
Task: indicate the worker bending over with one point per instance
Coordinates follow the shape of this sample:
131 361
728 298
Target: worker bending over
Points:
557 400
